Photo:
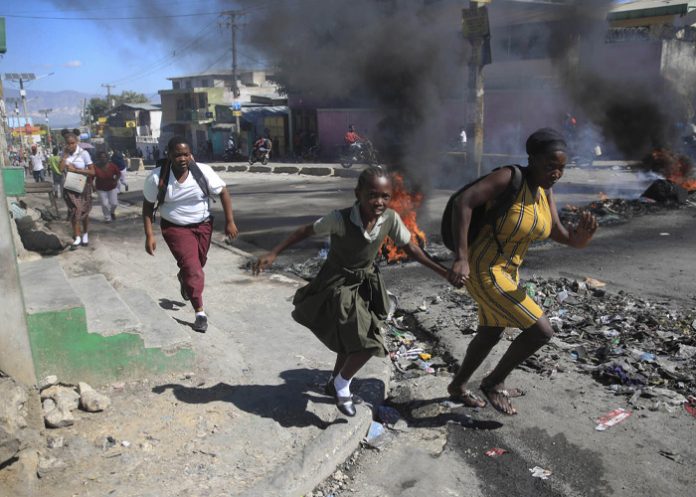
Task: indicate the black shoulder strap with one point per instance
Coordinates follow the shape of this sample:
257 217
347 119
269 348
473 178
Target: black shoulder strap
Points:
201 180
505 201
165 170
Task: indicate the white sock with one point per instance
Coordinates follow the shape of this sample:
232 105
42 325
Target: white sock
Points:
342 386
78 240
201 313
85 238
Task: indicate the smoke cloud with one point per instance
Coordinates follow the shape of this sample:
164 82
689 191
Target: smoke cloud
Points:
404 58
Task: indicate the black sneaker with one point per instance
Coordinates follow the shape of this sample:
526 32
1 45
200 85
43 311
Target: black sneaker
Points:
184 295
201 324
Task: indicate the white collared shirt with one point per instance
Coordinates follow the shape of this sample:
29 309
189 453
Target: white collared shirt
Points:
80 159
332 224
184 203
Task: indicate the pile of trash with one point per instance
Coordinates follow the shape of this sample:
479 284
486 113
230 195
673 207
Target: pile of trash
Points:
618 210
410 355
634 346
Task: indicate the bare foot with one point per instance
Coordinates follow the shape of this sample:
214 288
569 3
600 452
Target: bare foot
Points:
499 398
465 396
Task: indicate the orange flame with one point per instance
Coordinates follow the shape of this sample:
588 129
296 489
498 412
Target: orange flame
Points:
405 204
676 168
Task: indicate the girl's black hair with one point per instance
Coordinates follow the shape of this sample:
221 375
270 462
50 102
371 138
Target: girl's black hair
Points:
177 140
368 174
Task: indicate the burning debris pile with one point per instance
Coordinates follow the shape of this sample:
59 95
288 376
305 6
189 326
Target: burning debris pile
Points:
406 204
675 168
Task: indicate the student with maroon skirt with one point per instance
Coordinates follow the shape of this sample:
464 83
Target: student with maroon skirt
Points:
180 189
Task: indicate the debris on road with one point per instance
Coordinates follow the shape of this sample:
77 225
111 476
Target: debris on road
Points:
612 418
495 452
539 472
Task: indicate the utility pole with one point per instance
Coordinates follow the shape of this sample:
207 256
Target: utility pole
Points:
476 29
232 16
108 93
46 112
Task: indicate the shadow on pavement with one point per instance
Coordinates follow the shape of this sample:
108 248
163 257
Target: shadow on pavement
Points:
285 403
171 305
430 413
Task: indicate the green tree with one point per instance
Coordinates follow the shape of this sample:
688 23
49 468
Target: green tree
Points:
130 97
96 108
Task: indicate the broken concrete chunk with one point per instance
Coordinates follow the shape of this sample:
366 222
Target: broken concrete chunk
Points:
48 465
91 400
58 418
64 397
48 381
9 445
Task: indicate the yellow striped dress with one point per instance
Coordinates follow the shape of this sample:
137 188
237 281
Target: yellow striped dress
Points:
494 278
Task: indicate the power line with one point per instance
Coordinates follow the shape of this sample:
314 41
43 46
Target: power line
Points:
132 18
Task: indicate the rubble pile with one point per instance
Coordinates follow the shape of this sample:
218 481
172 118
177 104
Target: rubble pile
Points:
619 210
635 346
59 401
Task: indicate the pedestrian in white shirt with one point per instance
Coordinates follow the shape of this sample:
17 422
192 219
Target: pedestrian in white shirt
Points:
37 164
180 189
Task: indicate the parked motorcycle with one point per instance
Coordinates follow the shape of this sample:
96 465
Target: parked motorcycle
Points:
363 153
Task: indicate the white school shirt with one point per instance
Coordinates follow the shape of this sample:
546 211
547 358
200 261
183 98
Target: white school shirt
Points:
184 203
37 161
332 224
80 159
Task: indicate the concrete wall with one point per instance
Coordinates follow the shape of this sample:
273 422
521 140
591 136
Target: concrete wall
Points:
678 65
15 351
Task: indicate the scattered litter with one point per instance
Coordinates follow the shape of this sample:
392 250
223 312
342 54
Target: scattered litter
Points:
671 456
423 307
664 234
425 356
376 435
612 418
539 472
495 452
125 443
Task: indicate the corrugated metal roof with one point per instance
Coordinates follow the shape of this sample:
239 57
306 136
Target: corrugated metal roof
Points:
650 8
142 106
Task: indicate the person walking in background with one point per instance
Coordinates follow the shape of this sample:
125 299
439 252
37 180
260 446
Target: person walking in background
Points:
37 163
106 183
180 189
54 166
118 159
77 160
489 266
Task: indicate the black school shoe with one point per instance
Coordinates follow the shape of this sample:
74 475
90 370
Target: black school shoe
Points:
201 324
345 405
330 390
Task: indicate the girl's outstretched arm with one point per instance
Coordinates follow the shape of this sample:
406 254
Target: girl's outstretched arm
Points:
415 253
295 237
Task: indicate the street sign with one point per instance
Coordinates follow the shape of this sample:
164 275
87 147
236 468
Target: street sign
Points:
236 106
236 113
475 22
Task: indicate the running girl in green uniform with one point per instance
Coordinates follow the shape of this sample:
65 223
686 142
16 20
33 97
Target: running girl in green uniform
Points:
346 303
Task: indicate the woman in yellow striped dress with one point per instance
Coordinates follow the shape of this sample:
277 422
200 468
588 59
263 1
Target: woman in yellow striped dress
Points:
489 267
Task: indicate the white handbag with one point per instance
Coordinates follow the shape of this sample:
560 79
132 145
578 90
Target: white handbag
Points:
74 182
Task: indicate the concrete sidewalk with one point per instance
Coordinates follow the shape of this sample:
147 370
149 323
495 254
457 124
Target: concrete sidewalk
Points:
251 419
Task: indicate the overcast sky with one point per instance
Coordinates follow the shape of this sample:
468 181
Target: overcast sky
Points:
84 53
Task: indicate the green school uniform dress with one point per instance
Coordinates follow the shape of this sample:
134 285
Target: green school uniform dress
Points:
346 303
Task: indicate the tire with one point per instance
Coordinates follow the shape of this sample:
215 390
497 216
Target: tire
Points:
345 162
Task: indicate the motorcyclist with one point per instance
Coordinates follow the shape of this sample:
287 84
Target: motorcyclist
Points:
353 141
263 146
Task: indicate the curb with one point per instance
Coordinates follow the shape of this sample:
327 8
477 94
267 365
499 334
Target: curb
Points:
336 171
318 460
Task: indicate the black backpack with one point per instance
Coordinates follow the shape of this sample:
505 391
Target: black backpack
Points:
166 169
481 216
